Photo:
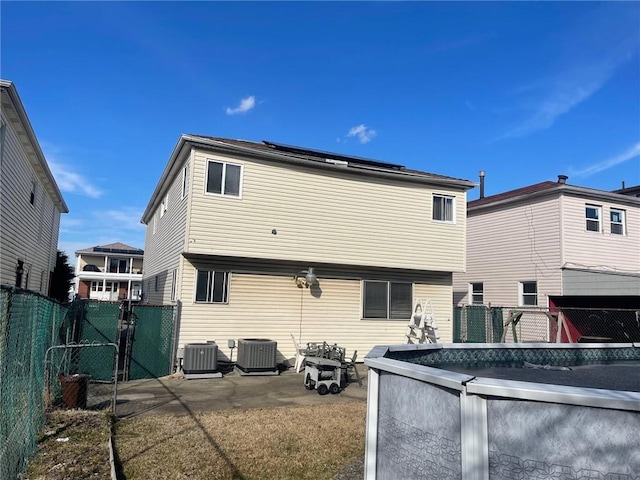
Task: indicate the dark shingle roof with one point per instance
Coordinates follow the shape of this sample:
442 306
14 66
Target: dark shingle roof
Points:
518 192
322 157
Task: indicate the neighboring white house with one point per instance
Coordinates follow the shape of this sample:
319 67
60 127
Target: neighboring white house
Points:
30 201
109 272
550 238
233 227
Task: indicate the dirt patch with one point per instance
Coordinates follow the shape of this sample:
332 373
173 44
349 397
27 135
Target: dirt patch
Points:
74 445
301 442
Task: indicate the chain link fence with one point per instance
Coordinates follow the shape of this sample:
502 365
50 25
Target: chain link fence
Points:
75 376
480 324
57 356
29 325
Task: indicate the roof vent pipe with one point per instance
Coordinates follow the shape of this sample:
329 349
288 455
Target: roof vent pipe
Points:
562 179
481 183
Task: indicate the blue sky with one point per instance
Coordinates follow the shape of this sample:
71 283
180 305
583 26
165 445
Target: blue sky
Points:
524 91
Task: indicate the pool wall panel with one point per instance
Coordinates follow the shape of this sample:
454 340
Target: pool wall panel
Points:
535 440
418 430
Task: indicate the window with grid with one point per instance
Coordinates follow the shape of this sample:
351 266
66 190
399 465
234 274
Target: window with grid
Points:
212 286
443 208
617 218
387 300
223 178
528 294
593 214
477 293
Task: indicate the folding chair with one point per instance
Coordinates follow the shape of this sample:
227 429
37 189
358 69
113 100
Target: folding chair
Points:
351 365
300 354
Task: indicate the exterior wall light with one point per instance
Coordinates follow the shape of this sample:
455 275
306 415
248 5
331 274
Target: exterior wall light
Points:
306 278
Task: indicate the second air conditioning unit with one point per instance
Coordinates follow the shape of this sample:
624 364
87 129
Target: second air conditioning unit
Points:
257 356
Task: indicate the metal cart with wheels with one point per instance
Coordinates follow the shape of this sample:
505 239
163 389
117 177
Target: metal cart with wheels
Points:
323 375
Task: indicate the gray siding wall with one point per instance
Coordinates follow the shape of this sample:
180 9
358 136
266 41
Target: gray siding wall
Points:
163 249
508 246
576 282
325 216
27 232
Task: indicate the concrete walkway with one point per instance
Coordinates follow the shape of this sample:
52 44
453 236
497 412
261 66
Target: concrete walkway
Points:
178 396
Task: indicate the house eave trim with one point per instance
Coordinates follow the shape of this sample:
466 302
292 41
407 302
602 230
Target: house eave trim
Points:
46 175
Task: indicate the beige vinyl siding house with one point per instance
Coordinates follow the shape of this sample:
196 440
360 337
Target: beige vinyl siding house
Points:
544 236
30 201
256 214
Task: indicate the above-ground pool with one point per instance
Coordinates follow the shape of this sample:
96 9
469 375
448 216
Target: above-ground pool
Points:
504 411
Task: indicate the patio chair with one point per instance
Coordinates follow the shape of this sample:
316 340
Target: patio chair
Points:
300 354
350 365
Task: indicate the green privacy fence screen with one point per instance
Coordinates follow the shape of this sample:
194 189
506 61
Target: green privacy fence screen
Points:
152 341
99 324
30 324
477 324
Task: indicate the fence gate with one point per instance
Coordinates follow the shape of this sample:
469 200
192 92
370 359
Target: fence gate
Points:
143 333
150 336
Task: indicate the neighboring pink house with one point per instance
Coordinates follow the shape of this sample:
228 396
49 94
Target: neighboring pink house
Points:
550 239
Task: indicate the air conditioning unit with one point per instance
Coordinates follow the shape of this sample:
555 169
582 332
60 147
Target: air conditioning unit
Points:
200 358
257 356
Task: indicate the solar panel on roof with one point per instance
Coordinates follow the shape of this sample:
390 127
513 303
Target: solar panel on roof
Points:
118 250
336 156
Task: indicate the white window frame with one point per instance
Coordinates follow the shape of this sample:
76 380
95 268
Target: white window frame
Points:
473 293
32 195
596 221
164 205
442 212
174 284
388 299
210 292
522 295
155 223
185 181
622 223
223 179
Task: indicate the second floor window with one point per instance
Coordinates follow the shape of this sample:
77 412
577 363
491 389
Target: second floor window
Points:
443 208
593 215
32 195
387 300
223 178
185 181
212 286
617 222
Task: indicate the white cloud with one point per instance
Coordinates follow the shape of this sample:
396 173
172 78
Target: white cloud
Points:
630 154
245 105
364 134
562 97
71 181
126 219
